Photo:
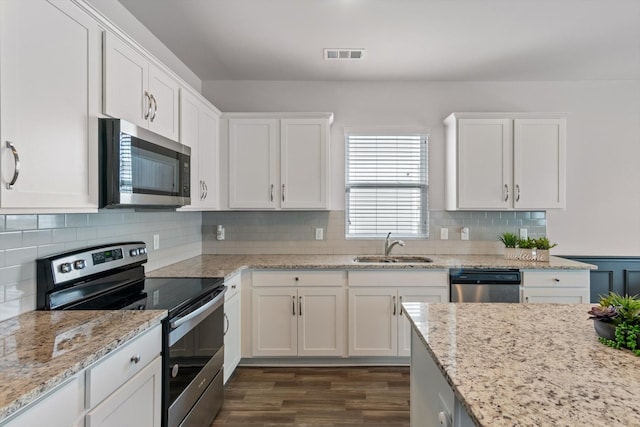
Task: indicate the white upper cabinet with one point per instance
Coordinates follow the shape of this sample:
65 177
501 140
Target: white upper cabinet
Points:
303 163
50 100
505 161
138 91
539 148
279 162
252 164
199 129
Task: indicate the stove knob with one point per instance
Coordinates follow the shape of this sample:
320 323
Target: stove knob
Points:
66 267
79 264
142 251
133 252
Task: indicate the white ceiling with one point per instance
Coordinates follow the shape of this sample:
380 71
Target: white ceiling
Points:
426 40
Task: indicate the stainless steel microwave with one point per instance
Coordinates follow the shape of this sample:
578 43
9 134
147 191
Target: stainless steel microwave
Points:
141 169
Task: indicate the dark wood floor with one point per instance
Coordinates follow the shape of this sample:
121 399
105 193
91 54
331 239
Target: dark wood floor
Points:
371 396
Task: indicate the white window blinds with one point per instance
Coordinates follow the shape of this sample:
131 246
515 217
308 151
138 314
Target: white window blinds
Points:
386 185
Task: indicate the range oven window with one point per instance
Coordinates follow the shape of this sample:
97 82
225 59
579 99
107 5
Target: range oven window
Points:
147 168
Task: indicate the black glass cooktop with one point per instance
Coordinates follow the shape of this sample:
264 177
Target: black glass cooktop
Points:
174 294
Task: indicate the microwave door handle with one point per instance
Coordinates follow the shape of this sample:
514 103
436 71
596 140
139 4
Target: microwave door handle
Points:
205 309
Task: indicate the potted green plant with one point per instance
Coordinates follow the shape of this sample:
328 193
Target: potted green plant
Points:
527 249
510 241
617 321
542 245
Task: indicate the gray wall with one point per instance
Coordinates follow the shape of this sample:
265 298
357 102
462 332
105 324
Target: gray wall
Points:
24 238
603 139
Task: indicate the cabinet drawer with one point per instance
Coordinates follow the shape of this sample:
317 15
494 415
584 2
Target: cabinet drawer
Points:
399 278
233 286
555 278
299 278
114 370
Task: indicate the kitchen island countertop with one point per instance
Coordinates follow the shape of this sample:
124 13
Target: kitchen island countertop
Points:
227 265
529 364
41 349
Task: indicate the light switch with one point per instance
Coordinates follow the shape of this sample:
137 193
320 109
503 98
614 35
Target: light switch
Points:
319 233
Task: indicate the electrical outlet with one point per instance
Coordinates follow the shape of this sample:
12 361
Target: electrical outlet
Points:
523 233
444 233
220 233
320 233
156 242
464 233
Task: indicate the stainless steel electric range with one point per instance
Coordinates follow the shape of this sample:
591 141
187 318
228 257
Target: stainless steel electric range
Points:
111 277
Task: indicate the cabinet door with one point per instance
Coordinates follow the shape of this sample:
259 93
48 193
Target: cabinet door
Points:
232 347
373 322
556 295
484 163
252 164
417 294
274 322
163 91
321 321
190 136
68 396
304 151
539 163
209 157
50 99
125 82
136 403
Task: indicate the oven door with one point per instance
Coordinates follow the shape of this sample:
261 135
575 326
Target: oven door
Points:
194 362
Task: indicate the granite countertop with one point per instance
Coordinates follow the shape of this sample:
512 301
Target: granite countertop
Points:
41 349
530 364
227 265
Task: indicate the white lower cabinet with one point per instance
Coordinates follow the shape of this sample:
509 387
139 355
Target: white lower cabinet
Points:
123 388
67 396
377 326
136 403
294 320
556 286
232 333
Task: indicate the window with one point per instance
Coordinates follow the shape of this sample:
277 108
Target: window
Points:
386 185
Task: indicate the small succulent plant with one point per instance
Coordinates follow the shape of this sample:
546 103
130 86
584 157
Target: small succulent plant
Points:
606 314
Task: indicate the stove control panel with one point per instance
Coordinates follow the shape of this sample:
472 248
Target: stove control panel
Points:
86 262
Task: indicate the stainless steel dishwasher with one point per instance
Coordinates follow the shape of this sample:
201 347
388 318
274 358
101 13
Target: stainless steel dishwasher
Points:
484 285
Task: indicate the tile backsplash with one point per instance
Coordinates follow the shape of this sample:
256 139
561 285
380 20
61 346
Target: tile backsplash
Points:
24 238
286 232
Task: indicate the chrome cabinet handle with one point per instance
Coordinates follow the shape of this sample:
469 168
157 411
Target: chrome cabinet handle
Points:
206 189
135 359
555 279
272 192
517 192
283 192
506 192
146 94
155 106
300 306
394 305
16 162
400 305
293 305
201 190
226 329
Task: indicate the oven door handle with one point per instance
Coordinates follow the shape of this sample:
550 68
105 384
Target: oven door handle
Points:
203 311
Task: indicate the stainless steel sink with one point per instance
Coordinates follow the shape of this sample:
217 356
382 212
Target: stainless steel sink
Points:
407 259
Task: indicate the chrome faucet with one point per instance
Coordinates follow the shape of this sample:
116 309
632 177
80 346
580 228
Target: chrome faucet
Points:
388 245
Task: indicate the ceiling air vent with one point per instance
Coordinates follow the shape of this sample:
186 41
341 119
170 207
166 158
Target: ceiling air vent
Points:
343 54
